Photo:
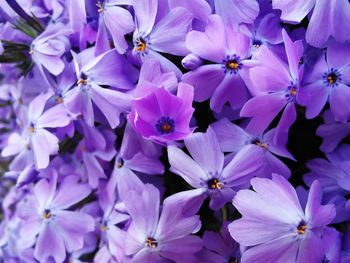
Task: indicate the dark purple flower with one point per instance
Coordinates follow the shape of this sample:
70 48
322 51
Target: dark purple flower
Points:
282 231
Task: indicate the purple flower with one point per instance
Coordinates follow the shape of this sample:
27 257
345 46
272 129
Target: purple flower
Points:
328 81
332 132
333 175
109 11
275 86
221 82
42 142
48 48
163 117
92 73
207 172
167 35
157 237
274 224
329 18
47 217
235 12
264 147
219 247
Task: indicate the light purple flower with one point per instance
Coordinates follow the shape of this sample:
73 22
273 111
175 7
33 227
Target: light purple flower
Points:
282 231
47 216
221 82
329 18
115 20
47 49
275 87
207 172
328 81
166 35
36 136
92 73
157 237
264 147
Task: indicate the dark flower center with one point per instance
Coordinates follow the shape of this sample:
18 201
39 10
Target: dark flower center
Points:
82 79
332 77
140 44
165 125
151 243
257 43
302 227
257 142
232 64
292 92
47 214
214 184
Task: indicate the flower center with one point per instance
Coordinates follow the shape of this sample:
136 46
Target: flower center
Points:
165 125
47 214
83 79
257 43
301 229
151 243
31 128
232 64
214 184
332 77
259 143
292 92
140 44
99 7
103 227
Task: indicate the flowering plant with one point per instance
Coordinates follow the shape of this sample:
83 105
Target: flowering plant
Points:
183 131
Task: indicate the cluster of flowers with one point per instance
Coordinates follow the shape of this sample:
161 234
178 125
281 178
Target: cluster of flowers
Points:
128 125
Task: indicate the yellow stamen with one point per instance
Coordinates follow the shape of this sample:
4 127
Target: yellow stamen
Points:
262 145
233 65
141 45
82 81
47 214
59 100
302 229
100 7
151 243
216 184
31 129
103 228
293 91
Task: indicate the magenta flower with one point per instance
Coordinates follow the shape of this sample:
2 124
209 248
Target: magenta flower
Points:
162 116
282 231
47 217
